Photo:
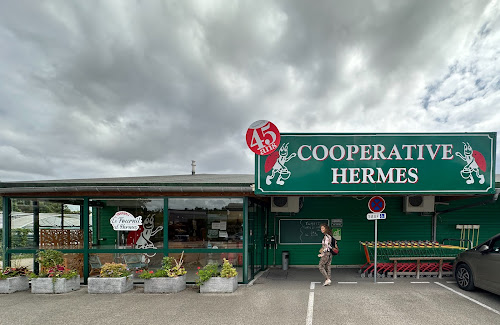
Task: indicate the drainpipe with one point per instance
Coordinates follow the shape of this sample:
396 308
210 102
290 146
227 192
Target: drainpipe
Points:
193 165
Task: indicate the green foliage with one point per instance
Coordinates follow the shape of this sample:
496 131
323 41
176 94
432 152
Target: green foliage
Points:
212 270
11 272
56 272
20 237
170 268
114 270
208 271
49 258
228 271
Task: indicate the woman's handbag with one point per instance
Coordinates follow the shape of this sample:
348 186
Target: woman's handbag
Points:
335 251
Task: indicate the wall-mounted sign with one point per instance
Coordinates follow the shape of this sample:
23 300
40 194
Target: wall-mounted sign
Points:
336 223
379 163
263 137
124 221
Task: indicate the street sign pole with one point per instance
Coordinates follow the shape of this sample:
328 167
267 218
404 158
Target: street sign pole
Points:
375 273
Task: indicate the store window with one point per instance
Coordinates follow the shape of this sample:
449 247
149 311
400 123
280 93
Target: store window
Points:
46 223
205 223
127 223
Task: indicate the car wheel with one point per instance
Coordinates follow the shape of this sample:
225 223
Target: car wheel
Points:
464 277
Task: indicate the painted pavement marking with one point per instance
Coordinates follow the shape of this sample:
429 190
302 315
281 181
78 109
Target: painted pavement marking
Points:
469 298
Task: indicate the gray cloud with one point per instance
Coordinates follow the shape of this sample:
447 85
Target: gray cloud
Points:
94 89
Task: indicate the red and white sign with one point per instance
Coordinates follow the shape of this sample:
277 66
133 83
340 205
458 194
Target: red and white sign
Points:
376 204
263 137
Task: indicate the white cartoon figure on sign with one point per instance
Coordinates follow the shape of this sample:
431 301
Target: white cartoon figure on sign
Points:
275 162
475 162
148 232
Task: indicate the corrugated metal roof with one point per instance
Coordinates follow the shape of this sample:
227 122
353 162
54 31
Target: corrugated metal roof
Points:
198 179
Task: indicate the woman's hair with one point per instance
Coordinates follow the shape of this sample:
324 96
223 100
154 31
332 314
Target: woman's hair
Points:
328 231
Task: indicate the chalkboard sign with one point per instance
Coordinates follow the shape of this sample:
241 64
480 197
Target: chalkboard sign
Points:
301 231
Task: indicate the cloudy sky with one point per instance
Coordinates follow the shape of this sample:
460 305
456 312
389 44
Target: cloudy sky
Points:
134 88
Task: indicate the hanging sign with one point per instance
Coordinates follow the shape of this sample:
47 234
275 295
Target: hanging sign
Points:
353 164
124 221
263 137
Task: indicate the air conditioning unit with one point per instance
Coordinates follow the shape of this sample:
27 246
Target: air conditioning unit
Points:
285 204
419 203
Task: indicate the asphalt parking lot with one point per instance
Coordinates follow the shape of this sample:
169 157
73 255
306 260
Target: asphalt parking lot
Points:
275 297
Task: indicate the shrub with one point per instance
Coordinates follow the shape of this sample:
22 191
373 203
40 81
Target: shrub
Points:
49 258
56 272
114 270
228 271
212 270
11 272
170 268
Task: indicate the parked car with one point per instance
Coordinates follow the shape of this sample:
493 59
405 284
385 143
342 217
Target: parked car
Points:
479 267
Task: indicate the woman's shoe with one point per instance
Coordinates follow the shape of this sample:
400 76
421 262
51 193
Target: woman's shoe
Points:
327 282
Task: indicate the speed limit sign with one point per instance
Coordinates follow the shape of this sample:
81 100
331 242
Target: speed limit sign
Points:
263 137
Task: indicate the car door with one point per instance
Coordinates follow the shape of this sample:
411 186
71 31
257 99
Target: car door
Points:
489 267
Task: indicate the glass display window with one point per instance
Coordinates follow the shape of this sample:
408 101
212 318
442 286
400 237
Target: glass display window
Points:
205 223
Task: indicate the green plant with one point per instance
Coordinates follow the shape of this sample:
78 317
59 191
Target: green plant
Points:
114 270
49 258
228 271
208 271
11 272
56 272
170 268
212 270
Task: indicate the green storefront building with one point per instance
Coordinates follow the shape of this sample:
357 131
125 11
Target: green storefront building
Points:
436 187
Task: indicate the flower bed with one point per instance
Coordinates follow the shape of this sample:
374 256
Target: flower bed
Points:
114 278
14 279
54 277
212 281
170 278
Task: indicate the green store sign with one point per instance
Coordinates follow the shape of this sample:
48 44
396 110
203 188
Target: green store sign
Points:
378 163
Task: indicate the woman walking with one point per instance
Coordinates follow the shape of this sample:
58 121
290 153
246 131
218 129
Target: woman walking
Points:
326 255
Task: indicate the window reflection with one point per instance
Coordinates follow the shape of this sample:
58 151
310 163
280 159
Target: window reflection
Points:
149 234
205 223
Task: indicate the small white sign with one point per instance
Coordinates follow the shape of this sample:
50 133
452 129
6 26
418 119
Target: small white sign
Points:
374 216
124 221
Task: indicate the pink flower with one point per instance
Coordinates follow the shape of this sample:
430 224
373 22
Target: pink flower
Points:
199 267
150 272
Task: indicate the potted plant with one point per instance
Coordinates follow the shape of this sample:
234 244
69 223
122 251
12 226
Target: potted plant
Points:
54 277
170 278
114 278
14 279
211 280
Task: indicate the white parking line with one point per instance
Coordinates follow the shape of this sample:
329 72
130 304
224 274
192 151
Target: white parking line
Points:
420 282
469 298
310 306
313 284
385 282
451 281
347 282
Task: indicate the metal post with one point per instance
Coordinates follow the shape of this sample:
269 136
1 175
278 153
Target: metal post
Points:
376 244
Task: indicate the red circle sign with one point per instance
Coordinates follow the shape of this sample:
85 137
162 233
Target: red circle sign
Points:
376 204
263 137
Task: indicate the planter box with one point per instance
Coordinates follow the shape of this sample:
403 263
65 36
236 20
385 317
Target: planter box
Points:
165 285
47 285
18 283
219 285
110 285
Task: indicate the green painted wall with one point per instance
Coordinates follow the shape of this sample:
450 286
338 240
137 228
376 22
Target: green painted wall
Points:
398 226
